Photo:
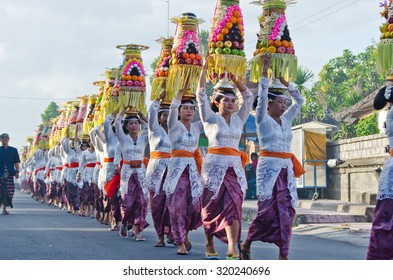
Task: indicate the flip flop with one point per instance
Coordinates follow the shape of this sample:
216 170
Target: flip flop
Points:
189 247
160 244
244 255
233 257
123 231
211 256
182 252
139 237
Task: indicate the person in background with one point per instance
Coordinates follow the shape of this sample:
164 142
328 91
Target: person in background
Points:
381 238
9 168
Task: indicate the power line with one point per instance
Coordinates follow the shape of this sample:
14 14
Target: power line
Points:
317 13
335 11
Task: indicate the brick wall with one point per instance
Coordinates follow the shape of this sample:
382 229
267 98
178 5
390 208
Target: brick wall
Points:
356 180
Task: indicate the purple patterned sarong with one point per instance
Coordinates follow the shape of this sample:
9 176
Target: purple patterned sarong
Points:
184 215
134 205
159 210
73 195
381 237
219 213
274 219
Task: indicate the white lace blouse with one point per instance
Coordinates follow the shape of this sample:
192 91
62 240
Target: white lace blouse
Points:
182 139
71 156
275 138
130 151
86 172
385 184
39 163
220 134
158 141
98 151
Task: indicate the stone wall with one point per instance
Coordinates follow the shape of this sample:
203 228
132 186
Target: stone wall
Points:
356 179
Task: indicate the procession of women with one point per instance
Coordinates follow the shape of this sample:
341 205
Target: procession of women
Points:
112 157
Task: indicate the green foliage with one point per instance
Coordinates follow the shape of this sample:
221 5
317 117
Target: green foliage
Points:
342 82
367 126
153 67
204 38
50 112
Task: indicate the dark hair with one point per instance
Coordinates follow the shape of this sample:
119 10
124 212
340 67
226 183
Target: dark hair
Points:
219 97
160 114
380 100
254 154
125 123
185 102
269 96
84 143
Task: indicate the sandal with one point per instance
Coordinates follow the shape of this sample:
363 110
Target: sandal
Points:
5 212
211 256
123 231
182 252
189 247
139 237
244 255
160 244
233 257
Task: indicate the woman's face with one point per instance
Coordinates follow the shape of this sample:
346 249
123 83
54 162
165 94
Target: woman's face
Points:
133 126
186 112
164 118
278 106
227 105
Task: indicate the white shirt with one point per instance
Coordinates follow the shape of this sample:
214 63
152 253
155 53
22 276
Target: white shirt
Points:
385 184
182 139
130 151
71 156
275 138
220 134
87 157
158 141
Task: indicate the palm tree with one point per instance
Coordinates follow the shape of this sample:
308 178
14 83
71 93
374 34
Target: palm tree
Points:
303 77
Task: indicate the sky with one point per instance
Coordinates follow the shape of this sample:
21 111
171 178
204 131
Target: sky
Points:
53 50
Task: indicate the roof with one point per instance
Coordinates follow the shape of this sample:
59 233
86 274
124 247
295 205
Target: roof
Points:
358 111
314 126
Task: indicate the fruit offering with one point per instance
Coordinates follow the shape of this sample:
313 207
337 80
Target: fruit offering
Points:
186 61
226 41
161 73
98 113
132 83
274 38
385 45
88 122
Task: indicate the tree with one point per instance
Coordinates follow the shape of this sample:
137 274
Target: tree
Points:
50 112
153 67
303 77
343 82
204 38
367 126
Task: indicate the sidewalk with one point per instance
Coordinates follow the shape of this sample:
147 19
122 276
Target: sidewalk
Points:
328 219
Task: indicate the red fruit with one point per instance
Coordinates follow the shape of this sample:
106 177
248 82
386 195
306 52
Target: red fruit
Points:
136 83
181 61
235 44
281 49
188 61
195 62
129 83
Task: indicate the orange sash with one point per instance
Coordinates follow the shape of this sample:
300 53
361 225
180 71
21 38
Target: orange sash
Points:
225 151
159 155
391 153
297 166
196 155
109 159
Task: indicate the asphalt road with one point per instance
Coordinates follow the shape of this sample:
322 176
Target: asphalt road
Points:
36 231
